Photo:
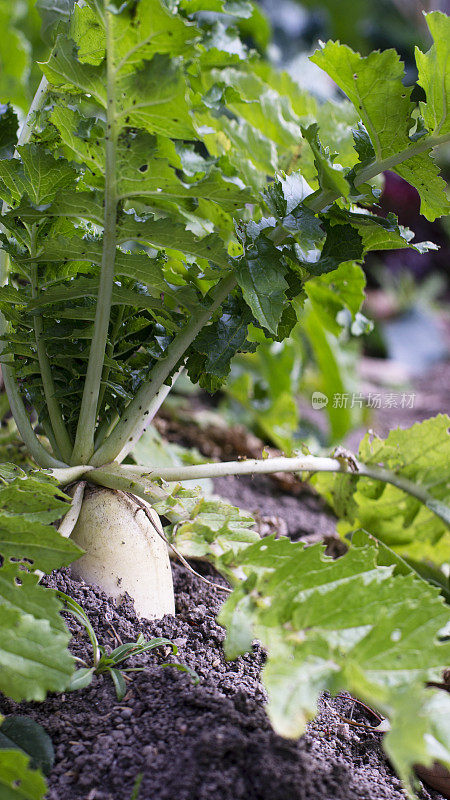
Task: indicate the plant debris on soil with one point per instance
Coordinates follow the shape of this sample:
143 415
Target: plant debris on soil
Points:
190 742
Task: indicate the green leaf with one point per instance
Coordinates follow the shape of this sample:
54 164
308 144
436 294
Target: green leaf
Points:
339 624
334 377
220 341
420 454
155 99
17 780
14 59
155 29
329 176
53 13
38 175
374 85
215 532
420 731
27 507
8 131
81 679
261 278
434 74
166 233
260 105
66 74
238 8
333 294
422 173
343 243
10 471
33 651
33 654
145 173
26 735
119 683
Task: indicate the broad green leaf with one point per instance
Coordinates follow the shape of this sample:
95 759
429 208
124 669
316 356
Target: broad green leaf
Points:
420 731
145 173
249 150
434 75
53 13
17 780
10 471
216 532
220 341
33 653
343 243
155 29
420 454
265 384
89 288
285 196
14 59
237 8
280 421
374 85
66 73
339 624
20 590
379 233
38 175
333 380
166 233
155 99
422 173
261 278
79 205
335 293
26 735
27 507
260 105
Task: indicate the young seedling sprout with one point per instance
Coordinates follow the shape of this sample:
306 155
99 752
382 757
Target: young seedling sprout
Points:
109 663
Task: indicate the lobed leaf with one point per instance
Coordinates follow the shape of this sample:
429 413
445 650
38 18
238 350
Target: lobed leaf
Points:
420 454
374 85
17 780
33 651
345 624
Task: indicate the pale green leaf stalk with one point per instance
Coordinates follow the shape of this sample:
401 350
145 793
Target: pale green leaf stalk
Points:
84 442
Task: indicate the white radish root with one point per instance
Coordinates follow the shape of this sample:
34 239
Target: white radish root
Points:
124 552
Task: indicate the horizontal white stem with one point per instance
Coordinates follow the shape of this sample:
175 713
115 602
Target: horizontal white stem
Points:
346 464
250 466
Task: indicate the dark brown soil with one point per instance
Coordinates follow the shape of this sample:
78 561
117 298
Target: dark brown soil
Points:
212 741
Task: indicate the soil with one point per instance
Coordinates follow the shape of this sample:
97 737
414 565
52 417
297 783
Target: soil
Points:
199 742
